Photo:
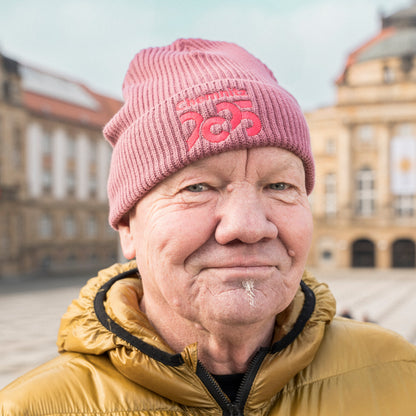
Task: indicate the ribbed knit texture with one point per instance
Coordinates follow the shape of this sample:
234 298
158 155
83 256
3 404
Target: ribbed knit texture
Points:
191 100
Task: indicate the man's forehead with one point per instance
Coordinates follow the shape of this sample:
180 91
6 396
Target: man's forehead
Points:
260 160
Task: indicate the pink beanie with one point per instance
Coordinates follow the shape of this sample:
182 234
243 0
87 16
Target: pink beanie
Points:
191 100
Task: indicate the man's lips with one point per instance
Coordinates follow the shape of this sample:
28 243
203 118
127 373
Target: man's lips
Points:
248 268
239 261
233 260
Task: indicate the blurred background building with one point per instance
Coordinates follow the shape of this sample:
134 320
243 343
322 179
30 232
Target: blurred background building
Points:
53 172
54 163
364 203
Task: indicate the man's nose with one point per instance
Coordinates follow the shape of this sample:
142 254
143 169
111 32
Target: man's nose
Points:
242 216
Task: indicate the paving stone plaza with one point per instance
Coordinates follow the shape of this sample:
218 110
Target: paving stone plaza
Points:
30 312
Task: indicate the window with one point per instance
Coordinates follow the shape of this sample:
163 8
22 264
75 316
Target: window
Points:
405 129
330 194
70 165
365 192
46 150
46 180
69 226
70 182
331 146
365 134
17 148
326 255
407 63
92 168
46 143
71 148
404 206
92 184
45 226
91 227
92 148
388 75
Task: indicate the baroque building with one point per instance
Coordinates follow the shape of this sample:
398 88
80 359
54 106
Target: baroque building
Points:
53 170
364 203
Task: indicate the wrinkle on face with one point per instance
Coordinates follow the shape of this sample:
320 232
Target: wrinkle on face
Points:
187 273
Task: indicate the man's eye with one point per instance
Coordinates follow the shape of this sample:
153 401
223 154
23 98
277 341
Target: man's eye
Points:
279 186
197 187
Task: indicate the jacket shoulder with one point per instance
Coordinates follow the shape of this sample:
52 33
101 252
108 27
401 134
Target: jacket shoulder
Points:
366 343
43 389
351 349
359 369
75 383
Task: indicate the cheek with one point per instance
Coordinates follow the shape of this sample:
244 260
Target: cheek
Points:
168 240
295 230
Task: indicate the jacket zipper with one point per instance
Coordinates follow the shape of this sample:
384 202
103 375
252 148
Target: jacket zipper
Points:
236 408
249 376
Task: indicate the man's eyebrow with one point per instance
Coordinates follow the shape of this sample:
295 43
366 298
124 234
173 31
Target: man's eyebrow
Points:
287 163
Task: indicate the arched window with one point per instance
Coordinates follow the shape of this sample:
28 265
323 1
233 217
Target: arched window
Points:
404 253
363 253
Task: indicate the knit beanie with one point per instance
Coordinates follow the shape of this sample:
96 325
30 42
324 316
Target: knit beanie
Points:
190 100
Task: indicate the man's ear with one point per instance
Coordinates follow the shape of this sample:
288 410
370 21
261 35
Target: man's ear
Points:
126 237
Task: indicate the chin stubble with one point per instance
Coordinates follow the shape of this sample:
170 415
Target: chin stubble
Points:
248 285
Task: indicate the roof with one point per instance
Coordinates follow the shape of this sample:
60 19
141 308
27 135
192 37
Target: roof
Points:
396 39
402 18
53 96
398 43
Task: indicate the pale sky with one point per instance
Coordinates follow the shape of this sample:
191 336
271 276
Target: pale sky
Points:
304 42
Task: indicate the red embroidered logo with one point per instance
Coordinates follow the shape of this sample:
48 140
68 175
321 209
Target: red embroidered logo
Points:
217 128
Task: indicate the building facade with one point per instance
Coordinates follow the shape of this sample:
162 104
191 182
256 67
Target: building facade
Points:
12 161
364 203
53 171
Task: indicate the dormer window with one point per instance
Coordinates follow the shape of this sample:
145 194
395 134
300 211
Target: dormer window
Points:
388 74
407 63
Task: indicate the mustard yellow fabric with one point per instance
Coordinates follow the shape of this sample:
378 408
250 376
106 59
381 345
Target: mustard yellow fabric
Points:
335 366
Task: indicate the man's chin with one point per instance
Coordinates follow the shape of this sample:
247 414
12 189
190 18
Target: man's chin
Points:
247 309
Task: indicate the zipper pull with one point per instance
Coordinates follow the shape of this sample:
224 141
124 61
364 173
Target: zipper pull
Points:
234 410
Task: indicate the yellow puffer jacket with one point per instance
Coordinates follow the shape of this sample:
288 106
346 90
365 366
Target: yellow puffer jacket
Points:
113 363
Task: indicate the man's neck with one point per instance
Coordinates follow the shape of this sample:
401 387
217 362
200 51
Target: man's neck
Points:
231 355
222 349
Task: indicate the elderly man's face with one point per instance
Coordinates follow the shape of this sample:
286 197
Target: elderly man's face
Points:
224 239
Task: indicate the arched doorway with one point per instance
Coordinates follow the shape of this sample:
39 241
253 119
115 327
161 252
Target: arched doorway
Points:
363 253
403 253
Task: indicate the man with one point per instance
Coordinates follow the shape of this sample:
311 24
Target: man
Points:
208 189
